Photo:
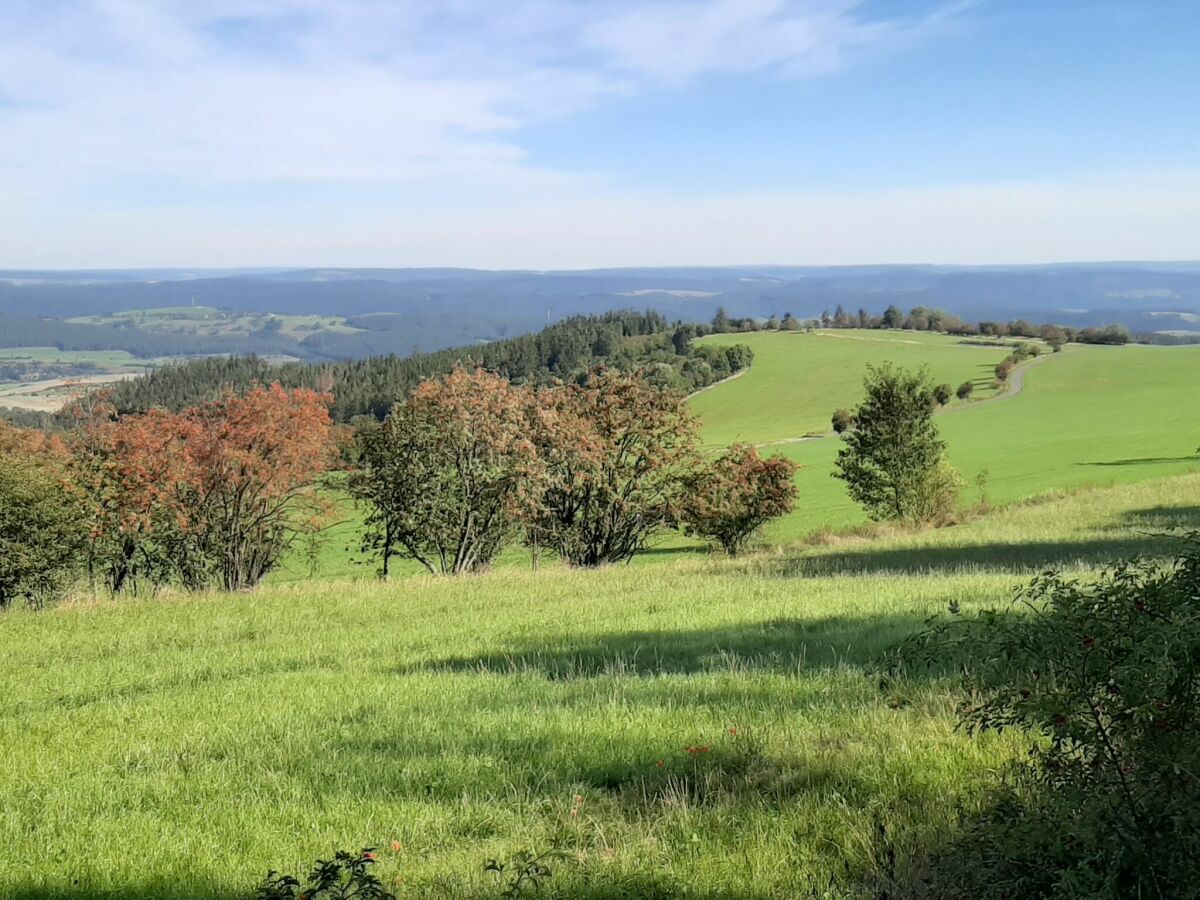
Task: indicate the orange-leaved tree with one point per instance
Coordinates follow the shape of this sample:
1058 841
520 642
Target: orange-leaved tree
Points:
216 492
446 476
617 453
736 494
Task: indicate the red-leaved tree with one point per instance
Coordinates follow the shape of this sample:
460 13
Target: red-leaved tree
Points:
736 494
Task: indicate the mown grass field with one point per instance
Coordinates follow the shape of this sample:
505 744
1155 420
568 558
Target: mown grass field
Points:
1088 416
180 747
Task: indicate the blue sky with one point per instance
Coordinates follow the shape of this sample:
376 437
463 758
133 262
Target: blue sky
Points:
576 133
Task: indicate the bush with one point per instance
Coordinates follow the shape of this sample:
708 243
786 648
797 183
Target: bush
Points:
617 455
346 875
965 390
1003 370
1106 678
942 394
738 493
843 420
445 477
40 531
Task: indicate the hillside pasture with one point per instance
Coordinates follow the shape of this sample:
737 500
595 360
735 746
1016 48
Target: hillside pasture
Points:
181 746
1089 416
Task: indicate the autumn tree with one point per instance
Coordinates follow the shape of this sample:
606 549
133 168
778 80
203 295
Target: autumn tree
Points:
256 459
217 492
40 530
446 476
731 498
893 460
617 454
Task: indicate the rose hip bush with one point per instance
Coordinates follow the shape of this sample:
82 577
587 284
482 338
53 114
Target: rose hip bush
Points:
1105 676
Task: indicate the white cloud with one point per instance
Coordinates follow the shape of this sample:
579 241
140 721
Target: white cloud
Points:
358 89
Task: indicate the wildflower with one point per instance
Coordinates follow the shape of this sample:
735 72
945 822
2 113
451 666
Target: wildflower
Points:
1088 642
696 751
397 846
733 731
367 854
660 763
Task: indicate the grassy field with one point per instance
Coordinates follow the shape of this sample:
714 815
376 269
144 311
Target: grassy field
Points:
207 320
798 379
180 747
1087 416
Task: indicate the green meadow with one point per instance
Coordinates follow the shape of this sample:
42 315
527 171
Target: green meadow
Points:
685 726
1089 416
181 746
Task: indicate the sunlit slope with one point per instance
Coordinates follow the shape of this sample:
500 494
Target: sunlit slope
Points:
1088 416
798 379
177 747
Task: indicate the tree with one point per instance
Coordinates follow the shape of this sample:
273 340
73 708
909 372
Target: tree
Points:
617 453
892 460
219 491
1004 369
257 458
893 317
446 476
720 322
942 394
40 530
965 390
790 323
843 420
731 498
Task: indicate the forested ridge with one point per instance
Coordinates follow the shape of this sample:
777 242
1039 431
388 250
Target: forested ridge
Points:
565 350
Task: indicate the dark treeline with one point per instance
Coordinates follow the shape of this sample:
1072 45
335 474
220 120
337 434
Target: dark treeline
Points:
30 332
924 318
566 351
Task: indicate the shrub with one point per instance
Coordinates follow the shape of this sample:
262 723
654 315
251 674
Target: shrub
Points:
445 476
965 390
843 420
735 495
40 532
346 875
1106 677
942 394
892 460
1003 370
617 454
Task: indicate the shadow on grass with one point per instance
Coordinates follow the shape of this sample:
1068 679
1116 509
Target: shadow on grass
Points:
1181 518
1020 559
775 645
1145 461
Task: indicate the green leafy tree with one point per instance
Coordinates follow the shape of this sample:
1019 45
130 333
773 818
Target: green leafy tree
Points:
617 453
40 532
892 461
445 476
965 390
942 394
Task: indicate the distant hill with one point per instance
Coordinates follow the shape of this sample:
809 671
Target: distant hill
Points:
407 310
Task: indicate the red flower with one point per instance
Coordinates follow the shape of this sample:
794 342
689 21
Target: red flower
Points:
695 751
1088 642
659 763
733 731
397 846
367 854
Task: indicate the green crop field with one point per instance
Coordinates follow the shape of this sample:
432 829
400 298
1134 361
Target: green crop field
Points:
181 746
100 358
1087 416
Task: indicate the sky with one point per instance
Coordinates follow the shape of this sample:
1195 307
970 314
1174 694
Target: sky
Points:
552 134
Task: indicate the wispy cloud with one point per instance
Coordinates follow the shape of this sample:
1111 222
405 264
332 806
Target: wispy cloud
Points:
363 89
